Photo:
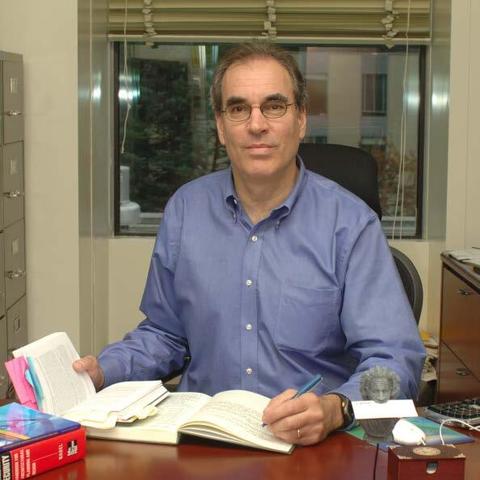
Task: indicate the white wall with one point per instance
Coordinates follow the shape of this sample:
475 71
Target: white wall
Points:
128 259
463 219
46 34
94 172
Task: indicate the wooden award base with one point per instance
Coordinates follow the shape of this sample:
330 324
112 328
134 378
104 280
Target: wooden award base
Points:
438 462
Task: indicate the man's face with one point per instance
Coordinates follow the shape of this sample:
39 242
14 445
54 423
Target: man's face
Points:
260 148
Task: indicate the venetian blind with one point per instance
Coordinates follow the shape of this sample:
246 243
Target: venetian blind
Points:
356 20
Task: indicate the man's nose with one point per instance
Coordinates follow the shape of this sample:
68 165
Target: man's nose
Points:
257 123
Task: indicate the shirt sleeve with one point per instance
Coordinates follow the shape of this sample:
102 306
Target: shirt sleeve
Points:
157 346
376 316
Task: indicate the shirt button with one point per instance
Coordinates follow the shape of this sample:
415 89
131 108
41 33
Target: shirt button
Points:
249 283
249 371
248 326
254 238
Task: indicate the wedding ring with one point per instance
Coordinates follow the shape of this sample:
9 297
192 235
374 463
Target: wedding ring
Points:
298 433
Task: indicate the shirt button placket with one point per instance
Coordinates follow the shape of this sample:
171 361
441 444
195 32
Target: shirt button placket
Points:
249 312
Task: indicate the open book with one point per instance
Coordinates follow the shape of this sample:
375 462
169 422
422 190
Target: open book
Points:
59 390
233 416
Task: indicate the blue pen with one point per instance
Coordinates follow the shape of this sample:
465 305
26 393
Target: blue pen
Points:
310 385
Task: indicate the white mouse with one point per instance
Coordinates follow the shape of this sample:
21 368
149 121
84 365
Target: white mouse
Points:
406 433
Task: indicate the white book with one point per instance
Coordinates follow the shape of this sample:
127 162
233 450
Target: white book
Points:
69 394
233 416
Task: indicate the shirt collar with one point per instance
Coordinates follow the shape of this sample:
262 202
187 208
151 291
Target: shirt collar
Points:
280 212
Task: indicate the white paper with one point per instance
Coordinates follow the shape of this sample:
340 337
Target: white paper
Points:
365 409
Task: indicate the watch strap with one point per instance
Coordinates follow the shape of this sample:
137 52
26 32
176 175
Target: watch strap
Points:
347 411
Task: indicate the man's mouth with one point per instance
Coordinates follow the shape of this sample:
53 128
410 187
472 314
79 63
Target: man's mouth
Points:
259 146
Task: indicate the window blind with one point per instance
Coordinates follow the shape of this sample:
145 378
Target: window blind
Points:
347 20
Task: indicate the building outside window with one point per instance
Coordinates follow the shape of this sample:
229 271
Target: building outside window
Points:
374 94
357 96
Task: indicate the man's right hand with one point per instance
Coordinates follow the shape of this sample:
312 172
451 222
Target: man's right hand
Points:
90 365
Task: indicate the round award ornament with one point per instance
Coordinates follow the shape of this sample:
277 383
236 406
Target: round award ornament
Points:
427 451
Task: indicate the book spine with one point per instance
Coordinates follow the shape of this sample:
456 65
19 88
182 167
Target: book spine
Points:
38 457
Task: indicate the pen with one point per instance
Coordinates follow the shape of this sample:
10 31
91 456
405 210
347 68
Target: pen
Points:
310 385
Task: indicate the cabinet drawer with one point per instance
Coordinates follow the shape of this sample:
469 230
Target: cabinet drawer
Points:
17 325
460 325
14 238
1 163
3 357
12 183
12 101
455 380
2 278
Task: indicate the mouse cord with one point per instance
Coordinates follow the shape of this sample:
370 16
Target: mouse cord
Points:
455 420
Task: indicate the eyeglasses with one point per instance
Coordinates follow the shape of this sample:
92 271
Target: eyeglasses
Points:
240 112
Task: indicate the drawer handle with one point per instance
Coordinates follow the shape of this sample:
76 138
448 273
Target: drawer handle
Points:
14 194
463 372
13 113
14 274
463 292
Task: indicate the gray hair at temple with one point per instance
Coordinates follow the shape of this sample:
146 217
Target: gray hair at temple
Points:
247 51
379 373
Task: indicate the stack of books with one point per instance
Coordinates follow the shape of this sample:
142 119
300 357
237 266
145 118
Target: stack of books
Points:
32 442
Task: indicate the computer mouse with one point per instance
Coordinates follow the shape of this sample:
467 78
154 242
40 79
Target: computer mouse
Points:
406 433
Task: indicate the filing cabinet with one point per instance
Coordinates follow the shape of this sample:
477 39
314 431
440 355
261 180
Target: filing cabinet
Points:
459 360
13 303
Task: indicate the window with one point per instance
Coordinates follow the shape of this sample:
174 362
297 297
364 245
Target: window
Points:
356 97
374 94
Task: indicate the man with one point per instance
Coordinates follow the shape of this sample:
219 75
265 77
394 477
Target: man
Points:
266 274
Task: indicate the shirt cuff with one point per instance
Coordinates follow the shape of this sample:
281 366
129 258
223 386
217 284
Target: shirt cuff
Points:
113 370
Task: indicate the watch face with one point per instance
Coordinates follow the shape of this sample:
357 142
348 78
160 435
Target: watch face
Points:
427 451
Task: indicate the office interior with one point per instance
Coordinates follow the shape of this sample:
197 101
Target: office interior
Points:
84 280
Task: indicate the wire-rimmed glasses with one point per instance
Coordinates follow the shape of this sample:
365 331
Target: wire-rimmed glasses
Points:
241 112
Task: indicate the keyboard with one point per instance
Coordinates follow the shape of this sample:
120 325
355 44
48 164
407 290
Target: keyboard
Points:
467 410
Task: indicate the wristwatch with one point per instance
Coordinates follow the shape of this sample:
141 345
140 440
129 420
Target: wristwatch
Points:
347 411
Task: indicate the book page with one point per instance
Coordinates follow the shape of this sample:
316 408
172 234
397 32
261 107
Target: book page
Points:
176 409
235 415
161 427
124 399
62 387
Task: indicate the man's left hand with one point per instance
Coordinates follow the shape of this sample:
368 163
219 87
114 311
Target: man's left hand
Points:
304 420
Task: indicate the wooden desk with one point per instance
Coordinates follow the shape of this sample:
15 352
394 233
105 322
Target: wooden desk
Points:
340 457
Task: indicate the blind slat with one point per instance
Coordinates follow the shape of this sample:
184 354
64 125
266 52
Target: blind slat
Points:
296 18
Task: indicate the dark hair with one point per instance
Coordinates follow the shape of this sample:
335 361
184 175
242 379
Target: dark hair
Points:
247 51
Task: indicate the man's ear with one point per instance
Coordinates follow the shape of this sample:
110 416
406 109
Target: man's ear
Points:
220 127
302 122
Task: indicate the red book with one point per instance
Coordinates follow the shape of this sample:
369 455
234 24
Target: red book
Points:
43 455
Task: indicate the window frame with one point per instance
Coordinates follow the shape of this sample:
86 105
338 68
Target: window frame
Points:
422 52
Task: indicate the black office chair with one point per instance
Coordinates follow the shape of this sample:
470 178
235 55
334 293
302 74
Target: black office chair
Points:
411 281
356 170
350 167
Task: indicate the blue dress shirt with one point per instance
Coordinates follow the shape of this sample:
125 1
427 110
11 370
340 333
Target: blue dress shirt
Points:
311 289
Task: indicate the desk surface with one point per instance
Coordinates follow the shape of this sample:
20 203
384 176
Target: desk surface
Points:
339 457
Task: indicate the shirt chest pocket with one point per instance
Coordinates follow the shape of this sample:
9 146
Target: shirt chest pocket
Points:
307 318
